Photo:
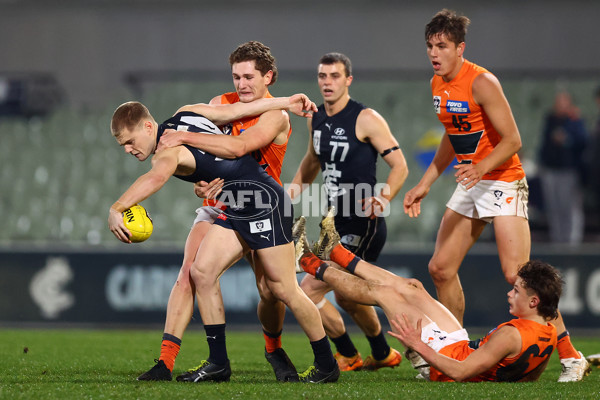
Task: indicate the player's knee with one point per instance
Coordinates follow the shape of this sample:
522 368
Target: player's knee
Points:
345 304
511 277
201 276
184 284
279 293
314 292
439 273
265 293
414 283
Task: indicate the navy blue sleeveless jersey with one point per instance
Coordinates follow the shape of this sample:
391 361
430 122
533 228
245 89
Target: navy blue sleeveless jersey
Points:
257 206
349 175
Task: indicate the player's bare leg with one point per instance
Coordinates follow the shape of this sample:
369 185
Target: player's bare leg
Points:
316 291
513 240
455 237
181 301
347 356
220 249
271 313
179 309
280 273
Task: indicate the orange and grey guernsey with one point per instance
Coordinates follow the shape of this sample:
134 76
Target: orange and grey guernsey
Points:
269 157
469 129
538 341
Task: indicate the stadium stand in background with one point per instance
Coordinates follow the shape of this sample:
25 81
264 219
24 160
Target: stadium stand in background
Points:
60 170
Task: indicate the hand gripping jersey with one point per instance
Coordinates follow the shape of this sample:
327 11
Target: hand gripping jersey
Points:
257 206
470 131
537 343
269 157
347 164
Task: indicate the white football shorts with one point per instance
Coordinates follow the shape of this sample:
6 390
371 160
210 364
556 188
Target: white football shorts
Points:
434 337
489 199
207 214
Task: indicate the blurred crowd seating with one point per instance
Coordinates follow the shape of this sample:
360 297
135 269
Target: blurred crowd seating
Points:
60 173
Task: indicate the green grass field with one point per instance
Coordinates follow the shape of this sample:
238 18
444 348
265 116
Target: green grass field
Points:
103 364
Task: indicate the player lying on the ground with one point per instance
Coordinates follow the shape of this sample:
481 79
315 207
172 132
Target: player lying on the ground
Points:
517 350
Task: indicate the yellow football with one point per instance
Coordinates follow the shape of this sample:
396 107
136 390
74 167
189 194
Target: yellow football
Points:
138 222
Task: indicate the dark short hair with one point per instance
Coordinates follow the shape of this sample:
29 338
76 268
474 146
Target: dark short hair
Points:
332 58
545 280
257 52
128 116
449 23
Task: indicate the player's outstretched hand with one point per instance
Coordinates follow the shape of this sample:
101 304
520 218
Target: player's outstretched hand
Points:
209 190
170 138
403 331
301 105
375 206
412 201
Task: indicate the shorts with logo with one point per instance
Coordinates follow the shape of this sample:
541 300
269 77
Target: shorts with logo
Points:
364 237
262 227
489 199
437 339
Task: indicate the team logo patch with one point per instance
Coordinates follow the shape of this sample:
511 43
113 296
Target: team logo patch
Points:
264 225
317 141
437 101
457 107
351 240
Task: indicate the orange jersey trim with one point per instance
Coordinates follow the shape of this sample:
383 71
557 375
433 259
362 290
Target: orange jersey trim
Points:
470 131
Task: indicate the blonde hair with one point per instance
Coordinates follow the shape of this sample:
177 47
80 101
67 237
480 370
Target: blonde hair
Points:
128 116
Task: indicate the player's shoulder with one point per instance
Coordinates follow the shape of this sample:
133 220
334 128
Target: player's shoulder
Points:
369 117
226 98
509 331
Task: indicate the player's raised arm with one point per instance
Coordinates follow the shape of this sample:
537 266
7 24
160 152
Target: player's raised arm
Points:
221 114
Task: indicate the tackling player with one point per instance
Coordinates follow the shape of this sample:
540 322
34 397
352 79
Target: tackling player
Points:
265 136
260 221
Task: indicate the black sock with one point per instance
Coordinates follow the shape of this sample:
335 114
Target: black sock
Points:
344 345
379 346
217 348
321 270
323 357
